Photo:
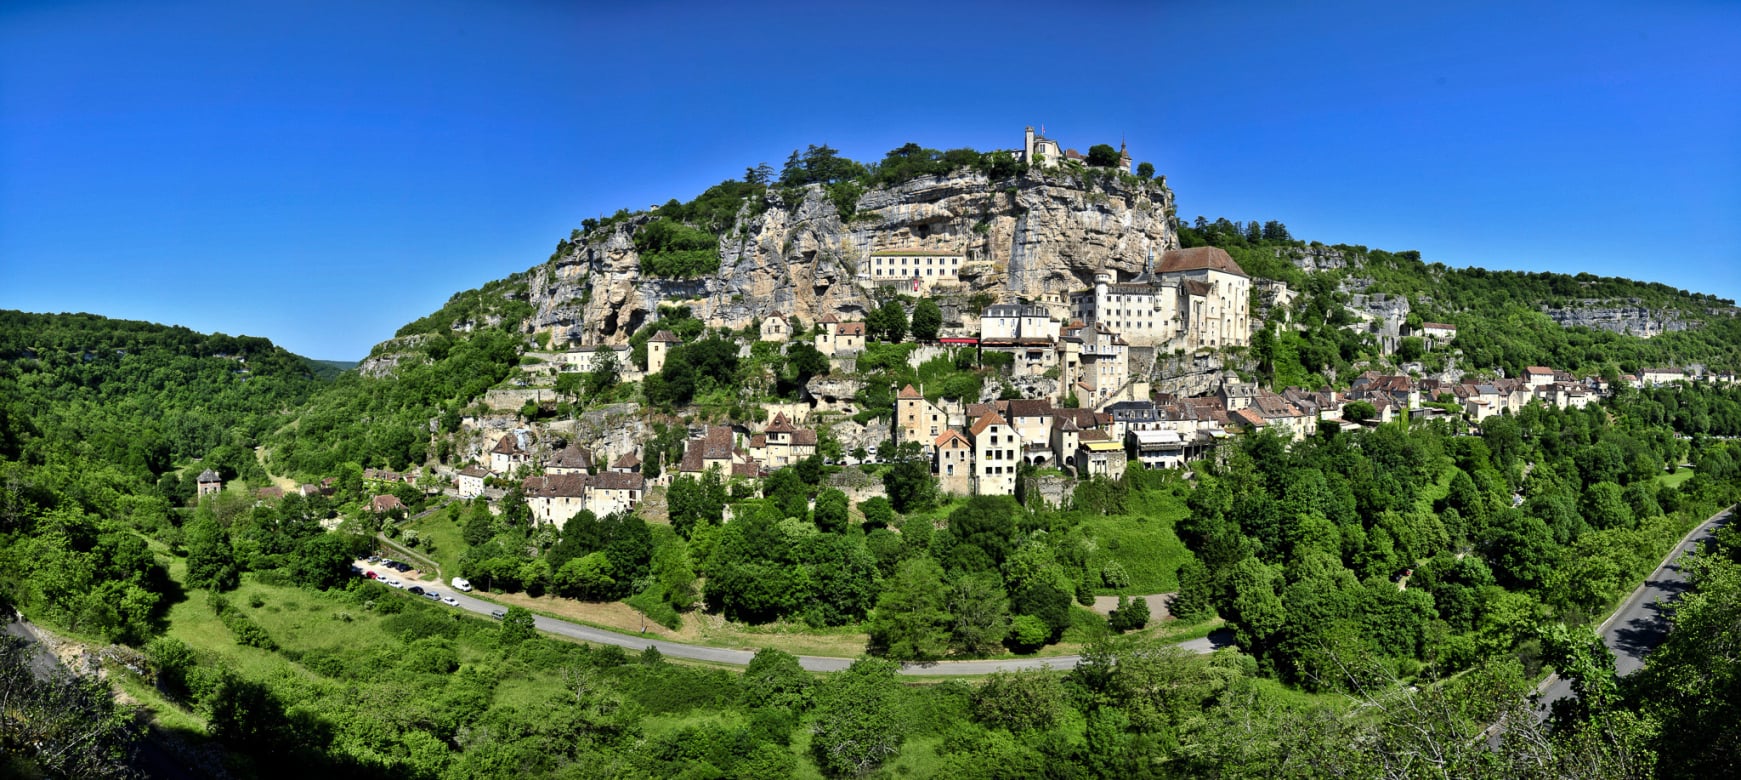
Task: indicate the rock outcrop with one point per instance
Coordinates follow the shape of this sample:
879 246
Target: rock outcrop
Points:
1033 235
1629 318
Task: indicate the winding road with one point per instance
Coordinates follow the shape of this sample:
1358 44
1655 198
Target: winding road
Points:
814 663
1641 623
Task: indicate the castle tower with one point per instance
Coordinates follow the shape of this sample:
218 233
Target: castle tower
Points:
657 347
1101 280
1123 156
1028 145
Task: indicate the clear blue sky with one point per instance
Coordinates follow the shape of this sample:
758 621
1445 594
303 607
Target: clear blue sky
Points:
321 173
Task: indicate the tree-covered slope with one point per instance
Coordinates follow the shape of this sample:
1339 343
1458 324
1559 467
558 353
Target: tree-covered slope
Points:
139 395
380 415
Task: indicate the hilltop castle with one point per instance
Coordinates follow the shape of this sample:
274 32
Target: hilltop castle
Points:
1045 152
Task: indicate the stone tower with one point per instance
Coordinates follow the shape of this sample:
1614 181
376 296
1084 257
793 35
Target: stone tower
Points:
657 348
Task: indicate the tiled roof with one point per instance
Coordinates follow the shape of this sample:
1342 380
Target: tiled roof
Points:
908 393
507 445
1198 259
849 329
474 470
386 503
1250 417
616 480
913 253
209 476
948 436
758 441
572 457
1197 288
1539 370
1030 407
556 486
986 421
781 424
629 460
746 470
666 336
803 437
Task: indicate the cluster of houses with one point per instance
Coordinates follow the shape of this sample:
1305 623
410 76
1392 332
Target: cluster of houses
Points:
570 481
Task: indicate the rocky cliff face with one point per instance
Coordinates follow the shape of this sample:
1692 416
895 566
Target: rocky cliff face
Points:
1619 317
1036 234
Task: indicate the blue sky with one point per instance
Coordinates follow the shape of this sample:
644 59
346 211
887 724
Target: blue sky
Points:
321 173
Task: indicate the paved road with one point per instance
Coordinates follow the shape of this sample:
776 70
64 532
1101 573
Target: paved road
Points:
1640 624
814 663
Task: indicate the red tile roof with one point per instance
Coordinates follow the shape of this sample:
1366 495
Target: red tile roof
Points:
667 337
986 421
950 435
1199 259
908 393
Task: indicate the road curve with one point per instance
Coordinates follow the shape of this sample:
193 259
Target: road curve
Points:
1641 622
814 663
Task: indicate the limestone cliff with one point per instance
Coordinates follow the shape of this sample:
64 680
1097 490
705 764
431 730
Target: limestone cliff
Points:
1038 233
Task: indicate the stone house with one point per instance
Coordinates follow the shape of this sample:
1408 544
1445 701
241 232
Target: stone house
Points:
996 456
838 338
507 455
208 483
776 328
952 462
658 348
471 481
917 419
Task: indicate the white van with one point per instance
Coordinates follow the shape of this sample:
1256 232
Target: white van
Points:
460 584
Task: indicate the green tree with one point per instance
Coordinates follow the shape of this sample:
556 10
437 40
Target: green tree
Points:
911 622
211 561
1020 701
1145 170
927 320
909 486
321 561
775 679
857 725
888 322
831 510
1131 614
981 614
1102 156
517 626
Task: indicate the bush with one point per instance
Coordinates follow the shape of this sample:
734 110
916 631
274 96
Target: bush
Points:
1028 633
673 250
1131 614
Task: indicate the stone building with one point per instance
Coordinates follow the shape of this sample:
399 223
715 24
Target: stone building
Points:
658 347
1198 298
209 483
916 271
996 456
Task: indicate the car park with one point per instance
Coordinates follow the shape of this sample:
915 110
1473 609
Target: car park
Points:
450 601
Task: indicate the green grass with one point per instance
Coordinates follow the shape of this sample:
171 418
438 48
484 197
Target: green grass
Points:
1143 542
1674 480
441 531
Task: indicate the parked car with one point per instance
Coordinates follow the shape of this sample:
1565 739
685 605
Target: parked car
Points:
395 583
432 595
460 584
450 601
371 575
415 590
498 613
